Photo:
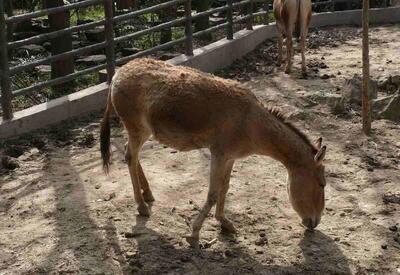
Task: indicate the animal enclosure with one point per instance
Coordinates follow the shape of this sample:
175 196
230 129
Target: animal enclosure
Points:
61 214
98 50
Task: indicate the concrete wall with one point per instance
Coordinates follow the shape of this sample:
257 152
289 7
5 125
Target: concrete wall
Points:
354 17
222 53
209 58
55 111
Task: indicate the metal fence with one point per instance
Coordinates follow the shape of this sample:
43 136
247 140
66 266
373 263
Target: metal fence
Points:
110 20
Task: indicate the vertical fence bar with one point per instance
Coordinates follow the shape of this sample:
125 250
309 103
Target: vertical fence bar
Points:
349 5
188 28
10 26
332 5
249 22
266 9
229 19
6 95
109 33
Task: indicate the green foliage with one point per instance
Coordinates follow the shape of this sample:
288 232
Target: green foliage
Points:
178 32
91 13
258 20
29 5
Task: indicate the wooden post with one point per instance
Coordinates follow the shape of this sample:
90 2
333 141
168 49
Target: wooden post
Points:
109 34
125 4
249 21
165 15
366 112
348 5
10 27
6 94
229 19
266 9
188 28
202 23
59 45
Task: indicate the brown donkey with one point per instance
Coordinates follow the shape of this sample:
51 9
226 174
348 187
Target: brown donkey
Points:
292 16
187 109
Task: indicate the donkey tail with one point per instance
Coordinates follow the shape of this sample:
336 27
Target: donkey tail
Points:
105 134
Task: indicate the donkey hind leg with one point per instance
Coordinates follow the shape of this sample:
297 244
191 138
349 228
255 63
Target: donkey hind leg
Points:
303 57
144 184
134 144
226 225
218 165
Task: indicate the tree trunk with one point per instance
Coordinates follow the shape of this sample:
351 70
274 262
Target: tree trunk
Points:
125 4
10 27
167 14
60 45
366 112
203 23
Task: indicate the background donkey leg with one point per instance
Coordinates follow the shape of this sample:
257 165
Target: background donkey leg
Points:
305 18
303 56
226 224
289 51
134 144
216 178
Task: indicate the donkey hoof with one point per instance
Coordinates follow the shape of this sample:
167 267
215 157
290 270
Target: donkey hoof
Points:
143 211
193 242
148 196
227 227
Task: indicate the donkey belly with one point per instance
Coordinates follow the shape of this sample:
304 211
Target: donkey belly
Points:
180 126
180 141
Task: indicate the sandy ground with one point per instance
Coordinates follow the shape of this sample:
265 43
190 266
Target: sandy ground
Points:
61 215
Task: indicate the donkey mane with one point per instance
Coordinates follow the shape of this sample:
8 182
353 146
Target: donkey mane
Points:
282 117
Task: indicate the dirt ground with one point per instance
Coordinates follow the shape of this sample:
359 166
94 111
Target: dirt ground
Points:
61 215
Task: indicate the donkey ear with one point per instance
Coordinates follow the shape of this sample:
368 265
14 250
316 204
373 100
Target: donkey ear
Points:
318 143
320 156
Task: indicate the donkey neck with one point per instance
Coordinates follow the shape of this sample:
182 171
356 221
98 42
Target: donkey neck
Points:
281 141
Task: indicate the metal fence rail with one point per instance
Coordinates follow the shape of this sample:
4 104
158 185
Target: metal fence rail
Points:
111 41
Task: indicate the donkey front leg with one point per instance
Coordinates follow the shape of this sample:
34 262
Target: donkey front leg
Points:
218 165
226 225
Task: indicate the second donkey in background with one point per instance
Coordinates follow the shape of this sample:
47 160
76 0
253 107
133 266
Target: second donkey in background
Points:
292 17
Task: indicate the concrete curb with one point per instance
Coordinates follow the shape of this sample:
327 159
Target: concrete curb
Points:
209 59
55 111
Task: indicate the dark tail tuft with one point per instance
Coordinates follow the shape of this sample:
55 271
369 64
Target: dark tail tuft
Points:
105 136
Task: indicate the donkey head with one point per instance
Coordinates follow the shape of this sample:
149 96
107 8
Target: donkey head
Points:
306 188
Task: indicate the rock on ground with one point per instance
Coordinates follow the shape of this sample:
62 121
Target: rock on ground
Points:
352 90
392 110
